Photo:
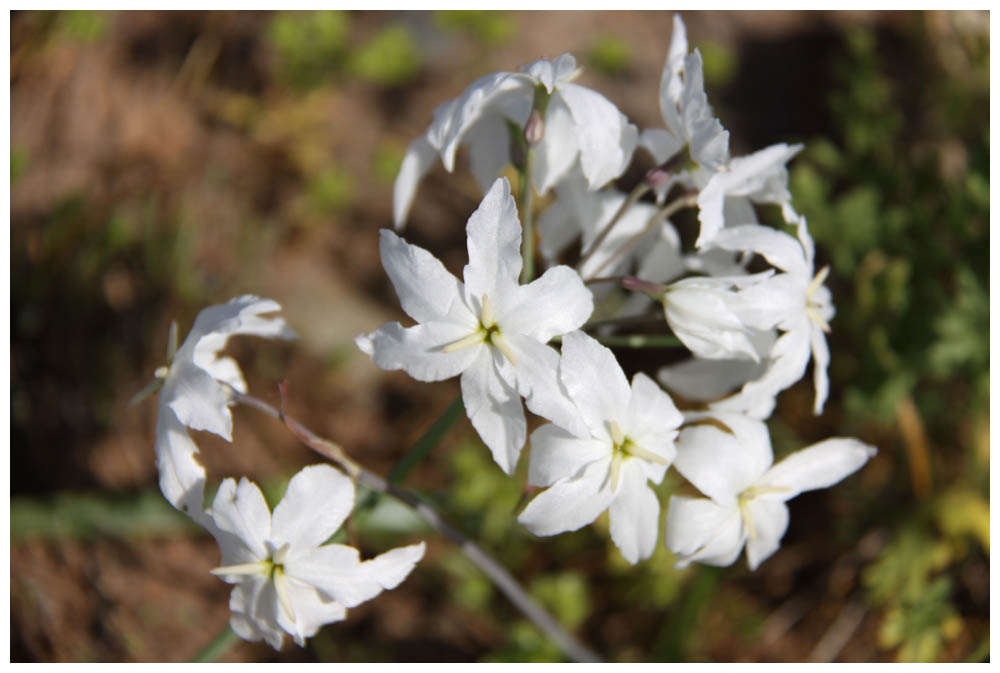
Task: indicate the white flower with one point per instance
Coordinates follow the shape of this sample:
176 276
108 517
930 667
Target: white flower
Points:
726 185
195 393
579 123
489 329
287 580
747 494
625 439
796 302
686 112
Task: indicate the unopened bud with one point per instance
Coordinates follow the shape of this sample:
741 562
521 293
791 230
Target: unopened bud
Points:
633 284
534 130
657 177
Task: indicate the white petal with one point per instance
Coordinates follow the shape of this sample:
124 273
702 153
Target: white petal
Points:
556 303
556 454
702 530
252 603
489 94
199 401
537 381
549 71
661 143
559 147
606 138
718 463
182 477
634 515
700 312
494 241
337 571
215 324
819 466
392 567
557 228
820 360
417 161
426 290
595 382
418 350
652 417
770 521
494 408
226 369
569 504
316 502
777 247
242 512
705 380
311 609
489 149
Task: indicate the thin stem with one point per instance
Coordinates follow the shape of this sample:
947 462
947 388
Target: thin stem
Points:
625 320
219 646
663 213
499 575
527 218
629 201
427 441
636 340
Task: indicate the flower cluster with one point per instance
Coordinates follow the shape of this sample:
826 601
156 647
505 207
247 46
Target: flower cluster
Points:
605 442
750 335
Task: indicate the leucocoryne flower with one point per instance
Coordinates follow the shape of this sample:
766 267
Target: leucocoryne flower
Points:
793 303
726 186
578 123
623 438
287 580
195 395
489 329
747 493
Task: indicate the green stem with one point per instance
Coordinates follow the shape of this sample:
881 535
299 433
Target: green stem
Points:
427 441
218 647
527 219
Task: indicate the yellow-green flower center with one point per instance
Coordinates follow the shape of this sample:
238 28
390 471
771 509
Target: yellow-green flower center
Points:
488 331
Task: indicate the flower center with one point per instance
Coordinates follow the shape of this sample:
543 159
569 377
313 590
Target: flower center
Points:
623 448
746 497
488 331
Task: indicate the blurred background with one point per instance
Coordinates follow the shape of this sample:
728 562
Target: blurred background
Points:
162 162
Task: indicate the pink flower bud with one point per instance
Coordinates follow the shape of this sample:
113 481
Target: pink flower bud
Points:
534 130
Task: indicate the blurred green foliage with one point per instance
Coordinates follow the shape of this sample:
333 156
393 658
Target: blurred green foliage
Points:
313 48
89 516
610 55
913 236
719 63
331 190
389 58
308 45
489 28
901 207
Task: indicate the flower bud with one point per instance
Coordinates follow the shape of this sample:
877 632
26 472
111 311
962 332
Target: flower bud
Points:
654 290
534 130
